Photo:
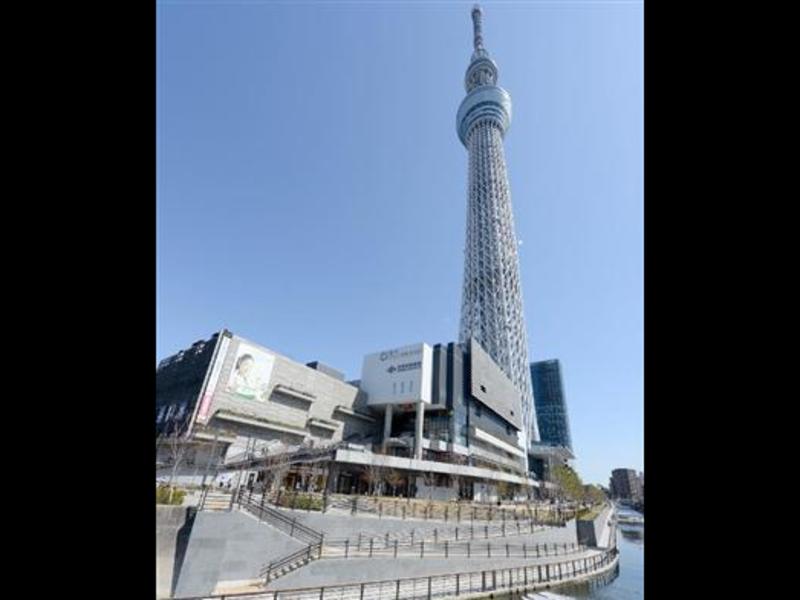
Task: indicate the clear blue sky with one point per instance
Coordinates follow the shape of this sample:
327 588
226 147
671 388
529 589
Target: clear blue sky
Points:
311 189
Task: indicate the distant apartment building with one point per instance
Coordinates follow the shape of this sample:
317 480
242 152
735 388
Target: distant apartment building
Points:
626 485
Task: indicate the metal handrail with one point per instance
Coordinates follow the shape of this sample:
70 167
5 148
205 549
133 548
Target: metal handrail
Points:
437 510
310 552
513 578
368 548
281 521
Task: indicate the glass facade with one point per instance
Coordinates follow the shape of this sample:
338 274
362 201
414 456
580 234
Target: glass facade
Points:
550 403
456 399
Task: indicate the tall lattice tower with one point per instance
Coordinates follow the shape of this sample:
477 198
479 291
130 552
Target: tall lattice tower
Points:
491 305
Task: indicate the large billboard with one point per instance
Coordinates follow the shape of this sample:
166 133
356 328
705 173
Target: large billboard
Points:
248 376
398 376
251 373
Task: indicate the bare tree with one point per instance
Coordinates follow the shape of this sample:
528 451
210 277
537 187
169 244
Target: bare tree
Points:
429 479
456 480
528 488
503 488
304 471
176 448
279 467
394 478
373 476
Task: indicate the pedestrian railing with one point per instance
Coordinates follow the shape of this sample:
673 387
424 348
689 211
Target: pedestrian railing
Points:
448 512
279 520
259 504
458 541
289 563
465 532
370 548
473 583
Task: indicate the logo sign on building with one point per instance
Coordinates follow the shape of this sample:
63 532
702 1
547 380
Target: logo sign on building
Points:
208 394
398 376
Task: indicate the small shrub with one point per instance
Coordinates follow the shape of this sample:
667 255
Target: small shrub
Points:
589 514
301 502
162 495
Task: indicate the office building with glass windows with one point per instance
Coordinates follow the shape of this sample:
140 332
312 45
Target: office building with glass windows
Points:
555 445
551 404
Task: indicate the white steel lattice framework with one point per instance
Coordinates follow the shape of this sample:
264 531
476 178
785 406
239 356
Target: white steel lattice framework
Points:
491 306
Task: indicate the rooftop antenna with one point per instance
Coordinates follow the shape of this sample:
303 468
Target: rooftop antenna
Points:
477 15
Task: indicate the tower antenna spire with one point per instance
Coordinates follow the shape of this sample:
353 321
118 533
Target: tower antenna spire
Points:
477 16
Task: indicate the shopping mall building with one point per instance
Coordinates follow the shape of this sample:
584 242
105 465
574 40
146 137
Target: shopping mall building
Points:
443 420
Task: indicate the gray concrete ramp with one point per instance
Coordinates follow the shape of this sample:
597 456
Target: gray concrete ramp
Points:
230 546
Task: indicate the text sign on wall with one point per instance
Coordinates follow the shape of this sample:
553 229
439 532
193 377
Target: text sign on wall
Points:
398 376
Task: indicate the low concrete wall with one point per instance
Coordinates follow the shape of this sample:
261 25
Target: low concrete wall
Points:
603 528
173 527
595 533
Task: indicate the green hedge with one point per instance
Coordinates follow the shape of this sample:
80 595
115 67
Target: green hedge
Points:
162 495
300 501
589 514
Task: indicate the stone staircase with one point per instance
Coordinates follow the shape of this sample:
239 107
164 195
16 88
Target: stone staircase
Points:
292 562
215 501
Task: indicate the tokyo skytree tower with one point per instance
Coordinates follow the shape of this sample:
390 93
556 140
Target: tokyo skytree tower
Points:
491 305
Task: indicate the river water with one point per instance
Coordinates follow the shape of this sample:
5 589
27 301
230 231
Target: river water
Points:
626 582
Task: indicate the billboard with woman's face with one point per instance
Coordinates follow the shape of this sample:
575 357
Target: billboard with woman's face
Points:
251 373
